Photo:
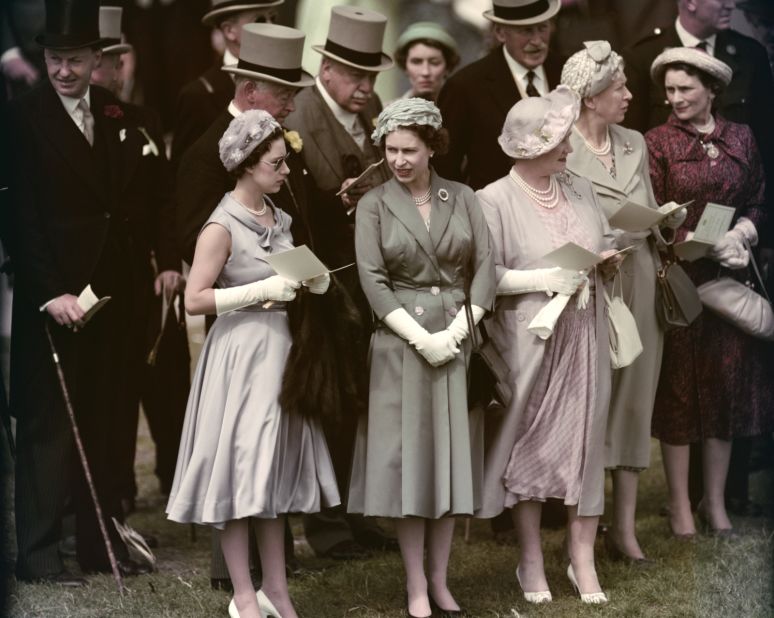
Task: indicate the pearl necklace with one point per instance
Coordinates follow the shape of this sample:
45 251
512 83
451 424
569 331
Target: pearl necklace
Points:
257 213
422 199
548 198
706 128
599 152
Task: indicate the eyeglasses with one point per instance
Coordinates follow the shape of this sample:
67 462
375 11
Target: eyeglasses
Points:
277 163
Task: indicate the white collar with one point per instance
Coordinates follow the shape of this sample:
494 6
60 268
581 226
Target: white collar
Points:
689 40
519 72
344 116
229 59
233 109
71 104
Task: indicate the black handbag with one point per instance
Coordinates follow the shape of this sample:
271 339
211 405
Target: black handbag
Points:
677 299
488 373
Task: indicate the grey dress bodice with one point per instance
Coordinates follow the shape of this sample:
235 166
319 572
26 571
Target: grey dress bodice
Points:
250 242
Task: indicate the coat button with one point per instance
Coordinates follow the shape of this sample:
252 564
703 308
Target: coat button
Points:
453 311
419 310
435 290
520 316
107 215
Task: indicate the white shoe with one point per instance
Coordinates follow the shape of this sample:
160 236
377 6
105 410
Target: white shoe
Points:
544 596
595 598
266 606
233 612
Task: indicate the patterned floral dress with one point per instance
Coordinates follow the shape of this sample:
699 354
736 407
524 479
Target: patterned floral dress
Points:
714 379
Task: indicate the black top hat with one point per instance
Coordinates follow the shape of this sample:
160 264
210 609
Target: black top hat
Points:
71 24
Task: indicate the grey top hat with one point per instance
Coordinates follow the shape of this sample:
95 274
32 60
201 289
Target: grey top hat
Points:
522 12
71 24
110 30
272 53
221 8
355 37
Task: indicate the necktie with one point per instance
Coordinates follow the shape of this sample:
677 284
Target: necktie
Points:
357 133
88 121
531 90
702 45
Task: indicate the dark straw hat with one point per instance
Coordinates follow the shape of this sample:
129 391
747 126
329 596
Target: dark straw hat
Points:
71 24
221 9
522 12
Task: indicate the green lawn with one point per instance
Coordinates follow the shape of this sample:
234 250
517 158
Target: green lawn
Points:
705 578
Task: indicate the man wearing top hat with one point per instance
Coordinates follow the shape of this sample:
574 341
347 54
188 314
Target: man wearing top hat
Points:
475 100
73 178
335 119
157 262
202 100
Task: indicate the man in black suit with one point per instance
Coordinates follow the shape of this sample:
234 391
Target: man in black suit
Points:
73 222
158 264
201 101
475 100
748 100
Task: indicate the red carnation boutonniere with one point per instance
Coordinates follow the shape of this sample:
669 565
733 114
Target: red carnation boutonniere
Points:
113 111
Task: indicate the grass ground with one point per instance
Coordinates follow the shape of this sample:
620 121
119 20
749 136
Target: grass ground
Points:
705 578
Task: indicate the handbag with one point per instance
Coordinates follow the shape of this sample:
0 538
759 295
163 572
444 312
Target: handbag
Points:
739 303
677 300
623 335
488 373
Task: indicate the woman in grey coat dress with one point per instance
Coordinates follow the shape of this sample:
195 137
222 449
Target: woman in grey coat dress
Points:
615 160
419 241
549 443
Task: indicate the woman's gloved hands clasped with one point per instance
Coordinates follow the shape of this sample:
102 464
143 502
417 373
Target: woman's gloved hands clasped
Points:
730 251
436 348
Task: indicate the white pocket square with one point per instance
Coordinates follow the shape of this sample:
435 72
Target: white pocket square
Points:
122 135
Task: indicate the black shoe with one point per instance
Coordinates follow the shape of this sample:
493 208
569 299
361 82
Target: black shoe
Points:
130 568
376 539
63 578
347 550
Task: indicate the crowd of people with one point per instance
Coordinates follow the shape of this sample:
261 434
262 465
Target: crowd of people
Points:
347 396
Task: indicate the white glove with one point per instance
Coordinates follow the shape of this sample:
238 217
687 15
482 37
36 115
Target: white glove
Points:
676 219
274 288
459 326
436 349
318 284
548 280
730 251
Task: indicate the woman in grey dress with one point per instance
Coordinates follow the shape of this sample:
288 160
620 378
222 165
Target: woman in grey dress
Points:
549 444
615 160
241 456
419 241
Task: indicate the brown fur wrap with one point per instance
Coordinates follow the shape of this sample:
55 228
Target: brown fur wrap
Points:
325 374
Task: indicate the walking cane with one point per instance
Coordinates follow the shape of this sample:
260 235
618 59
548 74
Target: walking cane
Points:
85 463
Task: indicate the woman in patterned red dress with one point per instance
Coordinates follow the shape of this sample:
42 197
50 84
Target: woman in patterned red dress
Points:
713 386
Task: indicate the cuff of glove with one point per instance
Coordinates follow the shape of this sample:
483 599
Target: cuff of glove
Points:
746 228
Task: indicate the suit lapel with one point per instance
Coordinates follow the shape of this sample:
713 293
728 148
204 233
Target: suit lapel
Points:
58 127
398 201
441 210
501 83
627 161
110 128
331 138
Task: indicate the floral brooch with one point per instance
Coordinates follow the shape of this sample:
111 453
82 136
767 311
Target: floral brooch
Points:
443 195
